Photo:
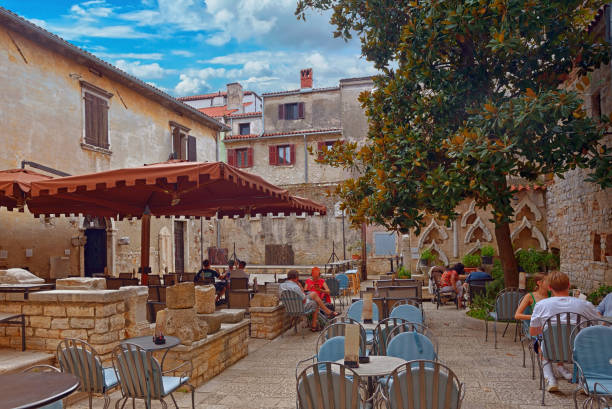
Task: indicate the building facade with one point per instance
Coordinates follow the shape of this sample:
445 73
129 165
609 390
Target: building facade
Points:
65 111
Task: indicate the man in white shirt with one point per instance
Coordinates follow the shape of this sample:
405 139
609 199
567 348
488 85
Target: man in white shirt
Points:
312 302
560 302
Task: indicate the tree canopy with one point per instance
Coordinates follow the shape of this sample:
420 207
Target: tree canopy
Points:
471 95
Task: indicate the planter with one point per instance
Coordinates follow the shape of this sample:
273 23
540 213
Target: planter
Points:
424 262
470 269
487 259
356 257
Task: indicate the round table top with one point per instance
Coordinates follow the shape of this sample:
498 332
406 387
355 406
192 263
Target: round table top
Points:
379 365
35 389
147 343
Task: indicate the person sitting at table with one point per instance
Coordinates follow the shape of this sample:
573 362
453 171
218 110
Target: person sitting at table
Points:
312 302
478 275
605 306
207 272
450 281
316 284
239 272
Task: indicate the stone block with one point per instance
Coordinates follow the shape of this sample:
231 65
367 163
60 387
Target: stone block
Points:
106 310
180 296
80 283
60 323
54 311
78 323
80 311
135 304
184 324
74 333
117 322
32 309
232 316
264 300
40 322
105 338
213 321
205 299
101 325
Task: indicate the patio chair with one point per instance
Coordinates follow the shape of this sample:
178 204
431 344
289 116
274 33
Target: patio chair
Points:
154 280
334 290
528 339
506 304
477 287
333 387
170 279
80 359
239 294
411 346
423 385
294 307
46 368
141 376
337 329
384 328
592 356
408 312
355 311
344 282
556 341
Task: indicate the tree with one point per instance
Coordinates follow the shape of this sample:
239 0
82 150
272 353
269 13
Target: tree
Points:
469 98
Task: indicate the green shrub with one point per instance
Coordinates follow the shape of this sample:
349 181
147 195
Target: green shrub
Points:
487 251
596 296
529 259
471 260
403 272
428 256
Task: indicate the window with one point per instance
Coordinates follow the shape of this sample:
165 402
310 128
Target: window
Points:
281 155
324 146
184 146
291 111
245 129
95 110
385 244
241 158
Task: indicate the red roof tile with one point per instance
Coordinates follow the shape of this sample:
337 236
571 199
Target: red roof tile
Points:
246 114
211 95
238 137
307 131
217 112
520 188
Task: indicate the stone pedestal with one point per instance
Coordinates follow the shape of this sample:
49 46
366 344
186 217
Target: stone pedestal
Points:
268 322
80 283
205 299
180 296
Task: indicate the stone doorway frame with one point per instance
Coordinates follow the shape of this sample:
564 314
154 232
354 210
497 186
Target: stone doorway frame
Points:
111 242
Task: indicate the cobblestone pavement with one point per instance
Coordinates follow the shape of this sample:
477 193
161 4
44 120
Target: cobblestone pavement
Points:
494 378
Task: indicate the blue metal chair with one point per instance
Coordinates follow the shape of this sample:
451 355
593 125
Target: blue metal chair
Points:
47 368
506 303
345 285
334 290
354 312
294 307
333 387
592 355
385 327
408 312
423 385
80 359
331 351
411 346
141 376
337 329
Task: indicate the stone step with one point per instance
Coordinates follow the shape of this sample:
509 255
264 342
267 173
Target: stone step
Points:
12 361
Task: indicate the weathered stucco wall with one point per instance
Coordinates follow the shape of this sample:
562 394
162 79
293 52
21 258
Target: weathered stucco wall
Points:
254 121
321 111
41 111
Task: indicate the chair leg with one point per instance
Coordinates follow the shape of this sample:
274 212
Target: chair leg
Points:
107 401
164 404
192 395
119 400
523 348
90 400
495 332
515 331
505 329
173 400
486 329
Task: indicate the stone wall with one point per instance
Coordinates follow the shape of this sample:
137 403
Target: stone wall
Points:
269 322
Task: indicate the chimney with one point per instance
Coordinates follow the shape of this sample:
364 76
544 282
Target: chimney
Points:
234 96
306 78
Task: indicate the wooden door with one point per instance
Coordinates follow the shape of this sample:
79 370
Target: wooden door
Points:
95 252
179 247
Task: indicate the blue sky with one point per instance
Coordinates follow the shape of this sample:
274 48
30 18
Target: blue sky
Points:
188 47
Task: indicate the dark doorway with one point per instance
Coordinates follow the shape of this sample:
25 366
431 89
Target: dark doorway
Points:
179 247
95 247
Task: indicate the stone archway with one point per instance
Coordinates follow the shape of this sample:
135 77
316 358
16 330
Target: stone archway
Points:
535 233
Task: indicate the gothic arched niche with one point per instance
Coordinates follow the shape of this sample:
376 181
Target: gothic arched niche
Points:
432 233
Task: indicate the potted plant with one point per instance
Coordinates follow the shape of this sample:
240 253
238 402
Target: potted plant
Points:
487 253
427 257
355 248
529 260
471 260
403 272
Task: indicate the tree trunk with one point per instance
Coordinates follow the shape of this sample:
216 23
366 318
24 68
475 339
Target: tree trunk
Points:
506 254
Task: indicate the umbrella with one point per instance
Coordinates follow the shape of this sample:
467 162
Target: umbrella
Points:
174 188
15 186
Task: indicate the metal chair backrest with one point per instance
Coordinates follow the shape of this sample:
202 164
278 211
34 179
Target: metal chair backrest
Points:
592 350
239 283
384 329
338 329
139 374
334 386
187 277
154 280
407 312
507 302
403 291
343 280
80 359
334 286
292 302
395 302
557 336
170 279
412 346
331 350
424 384
356 309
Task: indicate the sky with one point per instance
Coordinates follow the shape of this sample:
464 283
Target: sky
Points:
189 47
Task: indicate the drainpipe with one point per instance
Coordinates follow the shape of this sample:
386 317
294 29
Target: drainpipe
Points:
305 160
263 116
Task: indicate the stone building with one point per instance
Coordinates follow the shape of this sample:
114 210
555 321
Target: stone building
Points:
65 111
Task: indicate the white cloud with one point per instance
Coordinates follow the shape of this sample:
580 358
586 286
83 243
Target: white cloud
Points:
132 56
218 39
182 53
189 85
148 71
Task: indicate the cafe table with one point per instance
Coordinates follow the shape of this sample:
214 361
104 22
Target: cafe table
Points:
35 389
148 345
379 365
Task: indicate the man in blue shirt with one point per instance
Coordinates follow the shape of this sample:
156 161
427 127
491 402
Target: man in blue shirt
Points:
605 306
478 276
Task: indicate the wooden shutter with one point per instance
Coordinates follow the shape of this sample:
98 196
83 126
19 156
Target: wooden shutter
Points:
292 153
249 163
90 119
273 155
320 148
192 152
176 143
231 157
102 116
281 111
300 110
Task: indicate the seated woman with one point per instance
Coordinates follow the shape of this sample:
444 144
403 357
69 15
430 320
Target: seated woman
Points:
529 301
317 285
450 281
